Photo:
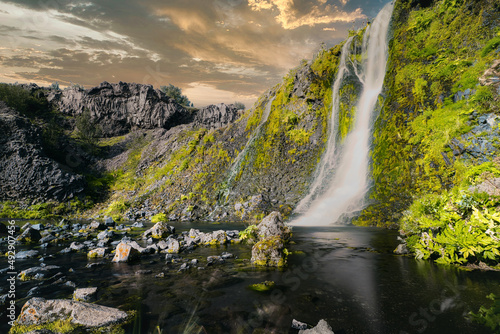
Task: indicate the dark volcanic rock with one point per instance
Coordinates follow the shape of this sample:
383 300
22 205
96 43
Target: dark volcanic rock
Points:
120 107
25 171
215 116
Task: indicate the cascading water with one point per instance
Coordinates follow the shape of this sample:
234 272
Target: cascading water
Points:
346 191
255 135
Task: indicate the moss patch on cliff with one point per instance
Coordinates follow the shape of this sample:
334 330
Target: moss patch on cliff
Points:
436 58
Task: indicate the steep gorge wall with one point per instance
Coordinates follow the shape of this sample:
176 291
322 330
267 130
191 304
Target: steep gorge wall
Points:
440 112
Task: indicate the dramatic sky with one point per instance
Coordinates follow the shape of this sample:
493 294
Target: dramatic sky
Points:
215 50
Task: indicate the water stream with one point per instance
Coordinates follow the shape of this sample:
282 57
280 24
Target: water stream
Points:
345 192
346 275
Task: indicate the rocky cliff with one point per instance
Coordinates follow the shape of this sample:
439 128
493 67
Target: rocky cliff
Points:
26 171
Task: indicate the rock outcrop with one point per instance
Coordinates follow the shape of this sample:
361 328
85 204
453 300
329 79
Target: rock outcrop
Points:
216 116
26 172
39 311
121 107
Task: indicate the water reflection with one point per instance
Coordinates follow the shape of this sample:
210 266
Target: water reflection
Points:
344 274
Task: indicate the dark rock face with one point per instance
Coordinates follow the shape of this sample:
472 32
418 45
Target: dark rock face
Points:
215 116
121 107
26 172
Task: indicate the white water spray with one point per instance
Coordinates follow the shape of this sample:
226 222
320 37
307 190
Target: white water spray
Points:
345 192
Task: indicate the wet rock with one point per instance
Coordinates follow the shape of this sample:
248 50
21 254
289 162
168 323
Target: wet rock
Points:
26 254
138 225
48 238
85 294
173 245
184 266
30 273
194 262
298 325
105 235
227 255
272 226
214 260
39 311
109 222
3 229
269 252
159 230
95 225
77 247
97 252
38 227
30 235
402 249
321 328
125 253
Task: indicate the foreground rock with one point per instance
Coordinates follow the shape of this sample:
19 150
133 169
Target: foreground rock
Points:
273 235
125 253
321 328
39 311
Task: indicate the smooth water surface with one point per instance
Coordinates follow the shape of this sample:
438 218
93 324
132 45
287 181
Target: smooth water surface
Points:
344 274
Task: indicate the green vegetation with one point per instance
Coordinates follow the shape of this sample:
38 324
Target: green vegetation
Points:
176 94
47 210
250 233
262 287
489 317
87 130
159 217
436 52
58 326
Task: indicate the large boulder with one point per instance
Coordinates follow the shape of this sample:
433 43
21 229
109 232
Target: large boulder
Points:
25 170
39 311
272 226
273 235
159 230
269 252
124 252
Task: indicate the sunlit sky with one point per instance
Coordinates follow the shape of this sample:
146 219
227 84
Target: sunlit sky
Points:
214 50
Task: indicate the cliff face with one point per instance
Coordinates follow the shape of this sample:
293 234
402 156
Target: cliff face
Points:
123 107
26 171
437 117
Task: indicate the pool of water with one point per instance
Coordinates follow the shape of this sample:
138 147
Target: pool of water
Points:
346 275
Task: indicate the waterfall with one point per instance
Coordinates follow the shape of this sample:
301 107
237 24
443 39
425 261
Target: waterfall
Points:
333 197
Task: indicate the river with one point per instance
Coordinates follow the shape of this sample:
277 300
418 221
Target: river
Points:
346 275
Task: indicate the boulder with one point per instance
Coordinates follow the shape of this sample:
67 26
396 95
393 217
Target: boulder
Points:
298 325
85 294
30 235
173 245
109 221
95 225
272 226
39 311
159 230
402 249
321 328
97 252
37 272
125 253
269 252
26 254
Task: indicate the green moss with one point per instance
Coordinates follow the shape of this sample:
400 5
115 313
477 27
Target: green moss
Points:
262 287
159 217
58 326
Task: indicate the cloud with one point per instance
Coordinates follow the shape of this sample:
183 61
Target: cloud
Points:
221 49
290 17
